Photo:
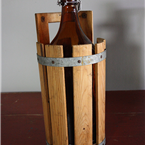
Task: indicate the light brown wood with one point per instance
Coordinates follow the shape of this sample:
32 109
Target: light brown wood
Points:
82 84
100 69
103 41
57 97
44 94
86 22
42 20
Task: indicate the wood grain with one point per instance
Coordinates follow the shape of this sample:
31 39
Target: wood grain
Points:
82 83
44 94
57 97
86 22
100 75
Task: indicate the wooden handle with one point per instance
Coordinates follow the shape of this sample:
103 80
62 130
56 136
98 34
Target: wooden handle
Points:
42 20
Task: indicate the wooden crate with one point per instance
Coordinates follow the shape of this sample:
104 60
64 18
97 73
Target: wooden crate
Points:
53 85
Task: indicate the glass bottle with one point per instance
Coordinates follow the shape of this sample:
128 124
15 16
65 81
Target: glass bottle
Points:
70 33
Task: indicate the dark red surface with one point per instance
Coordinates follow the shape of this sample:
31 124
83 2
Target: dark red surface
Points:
21 103
22 119
125 117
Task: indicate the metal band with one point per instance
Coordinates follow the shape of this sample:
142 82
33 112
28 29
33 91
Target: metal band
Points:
49 144
103 142
72 61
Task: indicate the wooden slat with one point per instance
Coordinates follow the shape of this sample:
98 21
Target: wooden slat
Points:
82 83
44 94
57 97
42 20
86 22
100 69
101 40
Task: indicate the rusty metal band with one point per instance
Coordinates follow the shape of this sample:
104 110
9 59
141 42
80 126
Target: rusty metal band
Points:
71 61
102 143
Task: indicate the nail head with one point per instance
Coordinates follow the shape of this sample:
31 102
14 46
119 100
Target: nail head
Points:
84 15
42 19
79 61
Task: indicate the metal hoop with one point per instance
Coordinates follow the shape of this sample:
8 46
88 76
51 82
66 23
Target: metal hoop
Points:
102 143
72 61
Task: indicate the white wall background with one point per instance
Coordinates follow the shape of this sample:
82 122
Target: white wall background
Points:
120 22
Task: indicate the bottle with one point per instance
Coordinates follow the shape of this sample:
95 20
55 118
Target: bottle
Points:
70 33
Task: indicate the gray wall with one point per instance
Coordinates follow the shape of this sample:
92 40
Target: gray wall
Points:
121 23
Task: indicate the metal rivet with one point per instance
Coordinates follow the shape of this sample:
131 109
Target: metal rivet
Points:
79 61
52 62
42 19
84 15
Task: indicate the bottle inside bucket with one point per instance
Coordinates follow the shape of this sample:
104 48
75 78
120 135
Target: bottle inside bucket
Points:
70 33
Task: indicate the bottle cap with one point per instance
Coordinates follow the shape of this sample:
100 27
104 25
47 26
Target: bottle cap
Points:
65 2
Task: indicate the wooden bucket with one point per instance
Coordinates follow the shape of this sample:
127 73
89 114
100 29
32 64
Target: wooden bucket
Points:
53 86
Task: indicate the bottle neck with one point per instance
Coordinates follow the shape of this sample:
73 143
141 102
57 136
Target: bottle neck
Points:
70 31
69 14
